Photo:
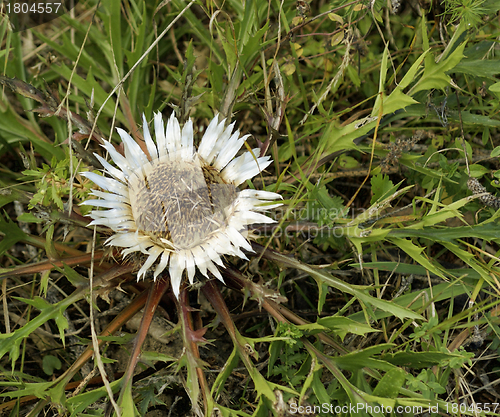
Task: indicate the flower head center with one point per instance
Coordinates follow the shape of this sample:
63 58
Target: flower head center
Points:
180 203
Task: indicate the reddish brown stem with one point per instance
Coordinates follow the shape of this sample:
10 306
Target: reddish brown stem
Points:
211 291
192 336
156 292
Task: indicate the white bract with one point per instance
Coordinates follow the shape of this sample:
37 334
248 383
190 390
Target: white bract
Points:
181 207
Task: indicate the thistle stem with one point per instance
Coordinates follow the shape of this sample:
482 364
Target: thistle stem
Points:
156 292
191 337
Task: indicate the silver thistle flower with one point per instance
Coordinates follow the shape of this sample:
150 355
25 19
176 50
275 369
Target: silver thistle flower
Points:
181 207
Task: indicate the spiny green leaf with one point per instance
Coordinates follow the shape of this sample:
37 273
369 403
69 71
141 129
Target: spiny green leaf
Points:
38 389
434 76
416 253
36 302
381 187
341 326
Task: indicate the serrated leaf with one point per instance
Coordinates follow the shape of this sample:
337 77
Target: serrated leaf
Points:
74 277
228 44
376 208
149 399
381 186
62 324
36 302
38 389
9 343
322 293
341 326
435 76
416 253
253 44
396 101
